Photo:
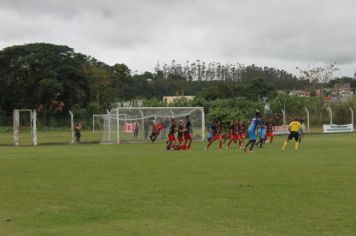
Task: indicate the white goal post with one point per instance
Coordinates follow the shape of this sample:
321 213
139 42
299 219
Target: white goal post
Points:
16 125
134 124
335 128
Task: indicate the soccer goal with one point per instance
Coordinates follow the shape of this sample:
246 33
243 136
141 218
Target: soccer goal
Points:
32 125
134 124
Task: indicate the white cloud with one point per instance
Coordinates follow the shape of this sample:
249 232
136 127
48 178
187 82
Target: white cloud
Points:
280 33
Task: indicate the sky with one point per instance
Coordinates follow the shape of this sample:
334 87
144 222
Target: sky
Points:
278 33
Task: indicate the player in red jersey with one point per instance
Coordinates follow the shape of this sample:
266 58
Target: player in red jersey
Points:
232 133
241 136
269 130
187 132
156 129
171 142
228 135
180 133
217 129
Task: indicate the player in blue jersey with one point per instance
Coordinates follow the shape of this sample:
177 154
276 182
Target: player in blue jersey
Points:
300 130
251 131
210 131
217 130
261 130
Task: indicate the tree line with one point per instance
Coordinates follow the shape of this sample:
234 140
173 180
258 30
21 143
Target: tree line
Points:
55 79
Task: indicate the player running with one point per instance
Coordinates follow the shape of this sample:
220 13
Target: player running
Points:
269 130
156 129
187 133
294 127
255 122
217 129
171 142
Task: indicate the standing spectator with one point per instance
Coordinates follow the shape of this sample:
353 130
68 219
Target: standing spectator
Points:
136 130
77 133
146 126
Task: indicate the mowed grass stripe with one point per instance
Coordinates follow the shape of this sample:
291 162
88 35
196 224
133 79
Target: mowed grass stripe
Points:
141 189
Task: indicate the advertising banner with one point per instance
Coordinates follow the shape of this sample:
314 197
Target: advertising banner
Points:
338 128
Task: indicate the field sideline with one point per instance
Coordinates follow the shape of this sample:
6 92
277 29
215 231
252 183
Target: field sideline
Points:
141 189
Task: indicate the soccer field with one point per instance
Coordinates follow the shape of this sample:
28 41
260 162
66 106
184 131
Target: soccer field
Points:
141 189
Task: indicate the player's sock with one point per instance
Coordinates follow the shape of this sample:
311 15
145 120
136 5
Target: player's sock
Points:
252 145
271 140
296 145
259 141
228 145
173 146
248 143
284 145
208 146
167 145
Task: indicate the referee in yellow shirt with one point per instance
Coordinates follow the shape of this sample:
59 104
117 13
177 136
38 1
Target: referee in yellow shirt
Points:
294 127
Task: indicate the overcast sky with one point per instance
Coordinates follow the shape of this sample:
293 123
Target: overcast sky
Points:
279 33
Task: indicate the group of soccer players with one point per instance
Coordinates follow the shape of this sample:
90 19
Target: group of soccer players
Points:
180 135
257 128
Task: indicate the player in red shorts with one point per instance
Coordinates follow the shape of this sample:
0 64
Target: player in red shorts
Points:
180 135
171 142
269 130
217 129
232 134
187 134
156 129
228 135
241 133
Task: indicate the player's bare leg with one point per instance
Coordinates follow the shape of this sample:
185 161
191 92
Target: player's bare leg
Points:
285 144
220 143
271 140
189 143
241 142
209 144
228 145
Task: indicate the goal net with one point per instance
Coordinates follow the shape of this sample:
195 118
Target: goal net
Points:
134 124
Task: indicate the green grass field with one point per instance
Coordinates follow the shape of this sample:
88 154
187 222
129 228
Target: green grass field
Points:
140 189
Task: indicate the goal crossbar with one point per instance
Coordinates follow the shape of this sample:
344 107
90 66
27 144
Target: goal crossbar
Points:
142 118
